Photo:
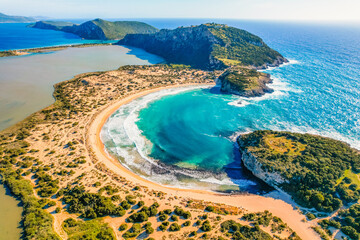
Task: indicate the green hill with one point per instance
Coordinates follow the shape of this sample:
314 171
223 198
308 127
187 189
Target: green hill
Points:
208 46
318 172
15 19
98 29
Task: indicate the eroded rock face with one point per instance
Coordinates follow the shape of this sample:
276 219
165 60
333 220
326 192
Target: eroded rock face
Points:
250 162
191 46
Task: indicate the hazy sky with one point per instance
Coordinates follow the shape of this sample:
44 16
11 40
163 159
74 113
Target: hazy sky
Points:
348 10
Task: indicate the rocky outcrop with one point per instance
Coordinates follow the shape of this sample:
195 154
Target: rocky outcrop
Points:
250 162
244 82
207 46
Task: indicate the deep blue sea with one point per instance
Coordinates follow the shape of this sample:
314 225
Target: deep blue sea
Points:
18 36
318 92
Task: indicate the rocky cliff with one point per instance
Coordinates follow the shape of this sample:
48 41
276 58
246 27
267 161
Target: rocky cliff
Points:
244 82
253 165
190 46
207 46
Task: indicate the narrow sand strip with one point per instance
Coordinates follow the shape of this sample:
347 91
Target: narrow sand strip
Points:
252 203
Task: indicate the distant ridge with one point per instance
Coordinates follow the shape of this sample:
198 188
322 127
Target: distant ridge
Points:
15 19
208 46
98 29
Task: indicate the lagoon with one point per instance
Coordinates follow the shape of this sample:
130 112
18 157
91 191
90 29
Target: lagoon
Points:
27 81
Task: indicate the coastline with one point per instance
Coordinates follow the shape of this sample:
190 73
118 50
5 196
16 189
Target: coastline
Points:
249 202
26 51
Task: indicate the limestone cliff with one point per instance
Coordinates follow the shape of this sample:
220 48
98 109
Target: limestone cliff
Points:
253 165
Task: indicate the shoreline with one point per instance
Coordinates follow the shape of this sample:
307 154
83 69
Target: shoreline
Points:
250 202
27 51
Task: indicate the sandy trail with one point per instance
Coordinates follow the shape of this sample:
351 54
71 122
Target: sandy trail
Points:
252 203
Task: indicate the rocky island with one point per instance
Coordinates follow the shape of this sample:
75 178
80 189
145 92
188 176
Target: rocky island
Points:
244 82
98 29
208 46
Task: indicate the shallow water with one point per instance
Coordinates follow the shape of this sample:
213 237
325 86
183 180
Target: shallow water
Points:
10 216
27 81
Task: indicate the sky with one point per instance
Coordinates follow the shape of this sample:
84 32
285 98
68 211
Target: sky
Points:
308 10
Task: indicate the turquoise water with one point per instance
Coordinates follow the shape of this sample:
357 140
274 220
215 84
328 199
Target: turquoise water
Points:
318 92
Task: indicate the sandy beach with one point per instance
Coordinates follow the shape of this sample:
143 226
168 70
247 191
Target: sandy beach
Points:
252 203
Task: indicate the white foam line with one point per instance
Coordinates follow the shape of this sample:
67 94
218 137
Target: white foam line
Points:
122 130
281 88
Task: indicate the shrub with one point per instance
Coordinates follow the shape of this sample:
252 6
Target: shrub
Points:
123 227
174 227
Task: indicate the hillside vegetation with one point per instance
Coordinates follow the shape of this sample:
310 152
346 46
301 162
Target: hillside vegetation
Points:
244 82
208 46
318 172
98 29
315 168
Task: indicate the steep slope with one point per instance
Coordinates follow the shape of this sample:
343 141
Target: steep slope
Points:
208 46
15 19
98 29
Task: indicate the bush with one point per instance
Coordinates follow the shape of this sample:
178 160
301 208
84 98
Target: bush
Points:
210 209
174 218
187 223
133 231
138 217
131 199
123 227
162 217
140 204
310 216
206 227
174 227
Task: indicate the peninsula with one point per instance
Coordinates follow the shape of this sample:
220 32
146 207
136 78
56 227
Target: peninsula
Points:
15 19
98 29
208 46
319 173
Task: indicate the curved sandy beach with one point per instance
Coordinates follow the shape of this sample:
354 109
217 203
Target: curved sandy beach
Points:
253 203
